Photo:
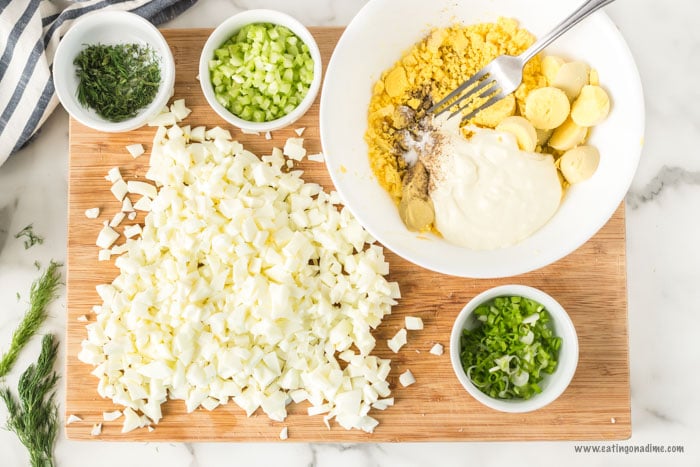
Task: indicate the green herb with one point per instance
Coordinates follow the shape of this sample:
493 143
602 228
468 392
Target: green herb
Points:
507 356
261 73
37 265
117 80
42 292
34 416
32 238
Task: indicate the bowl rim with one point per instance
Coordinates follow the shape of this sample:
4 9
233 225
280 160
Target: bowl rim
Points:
224 31
155 39
557 383
409 249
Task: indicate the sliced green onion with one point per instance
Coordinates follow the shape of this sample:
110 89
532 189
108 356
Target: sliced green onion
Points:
507 356
262 72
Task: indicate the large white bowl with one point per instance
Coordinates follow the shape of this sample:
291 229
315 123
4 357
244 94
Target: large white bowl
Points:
376 39
111 28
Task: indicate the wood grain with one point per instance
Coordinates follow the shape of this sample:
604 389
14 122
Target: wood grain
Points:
590 283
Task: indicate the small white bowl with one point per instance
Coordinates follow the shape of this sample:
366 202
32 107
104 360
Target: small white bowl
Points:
227 29
552 385
110 28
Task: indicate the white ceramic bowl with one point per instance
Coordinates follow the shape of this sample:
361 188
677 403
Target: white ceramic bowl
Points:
109 28
228 28
552 385
376 39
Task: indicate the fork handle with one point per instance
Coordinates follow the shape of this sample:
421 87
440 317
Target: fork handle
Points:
572 20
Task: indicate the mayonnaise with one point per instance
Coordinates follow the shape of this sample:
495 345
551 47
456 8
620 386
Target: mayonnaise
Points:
487 193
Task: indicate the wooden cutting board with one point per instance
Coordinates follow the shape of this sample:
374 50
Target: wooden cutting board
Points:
590 283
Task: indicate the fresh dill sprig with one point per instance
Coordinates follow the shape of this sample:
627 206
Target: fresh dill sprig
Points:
42 292
32 238
34 416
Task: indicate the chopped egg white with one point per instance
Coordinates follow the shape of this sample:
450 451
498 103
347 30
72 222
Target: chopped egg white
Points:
113 175
96 429
132 421
217 133
383 404
284 433
106 237
104 255
268 135
414 323
179 110
407 378
143 204
142 188
316 157
117 219
437 349
82 318
72 419
163 119
135 150
119 249
398 341
131 216
300 131
244 285
92 213
126 204
294 148
131 231
198 134
119 189
111 416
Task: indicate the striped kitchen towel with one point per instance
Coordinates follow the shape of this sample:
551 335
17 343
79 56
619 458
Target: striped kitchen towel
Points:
29 34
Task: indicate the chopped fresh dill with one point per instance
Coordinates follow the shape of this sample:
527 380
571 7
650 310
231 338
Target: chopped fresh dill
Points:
33 417
42 292
37 265
32 238
117 80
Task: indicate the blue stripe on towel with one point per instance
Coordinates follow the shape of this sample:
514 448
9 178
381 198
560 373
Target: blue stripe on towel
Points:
17 31
36 115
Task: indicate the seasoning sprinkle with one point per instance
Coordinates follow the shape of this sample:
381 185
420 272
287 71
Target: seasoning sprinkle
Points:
117 80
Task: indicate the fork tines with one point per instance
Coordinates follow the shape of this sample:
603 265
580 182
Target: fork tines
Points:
479 87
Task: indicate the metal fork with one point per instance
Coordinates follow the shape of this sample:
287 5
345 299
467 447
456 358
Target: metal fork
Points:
504 74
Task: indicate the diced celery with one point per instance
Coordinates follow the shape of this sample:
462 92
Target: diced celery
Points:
262 72
236 60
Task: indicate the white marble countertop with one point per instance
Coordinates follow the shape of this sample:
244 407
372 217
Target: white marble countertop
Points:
663 271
